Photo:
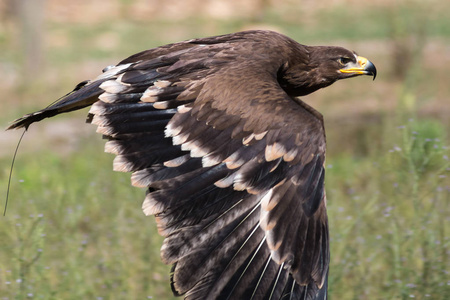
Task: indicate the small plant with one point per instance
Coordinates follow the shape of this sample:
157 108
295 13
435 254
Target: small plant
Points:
416 190
26 243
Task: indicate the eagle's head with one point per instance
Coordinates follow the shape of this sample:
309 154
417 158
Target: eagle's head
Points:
321 67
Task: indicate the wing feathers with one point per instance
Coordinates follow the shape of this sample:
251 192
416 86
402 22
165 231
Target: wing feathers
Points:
236 182
117 98
216 248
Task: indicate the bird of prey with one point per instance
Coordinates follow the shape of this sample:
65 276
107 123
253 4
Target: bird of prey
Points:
232 159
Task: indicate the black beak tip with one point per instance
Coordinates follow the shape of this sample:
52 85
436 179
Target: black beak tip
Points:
371 70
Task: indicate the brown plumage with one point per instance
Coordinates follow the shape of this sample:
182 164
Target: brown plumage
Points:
233 162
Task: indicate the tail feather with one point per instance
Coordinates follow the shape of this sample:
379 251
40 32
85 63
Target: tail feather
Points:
83 95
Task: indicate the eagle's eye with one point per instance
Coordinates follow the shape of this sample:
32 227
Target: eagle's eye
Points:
344 60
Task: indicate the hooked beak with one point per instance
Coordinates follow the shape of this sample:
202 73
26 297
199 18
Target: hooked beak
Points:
363 66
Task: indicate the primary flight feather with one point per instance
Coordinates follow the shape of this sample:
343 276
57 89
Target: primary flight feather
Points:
232 159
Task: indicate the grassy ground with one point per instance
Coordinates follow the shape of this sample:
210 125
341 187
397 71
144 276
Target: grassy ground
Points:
74 228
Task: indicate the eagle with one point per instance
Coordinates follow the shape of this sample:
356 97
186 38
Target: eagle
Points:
231 159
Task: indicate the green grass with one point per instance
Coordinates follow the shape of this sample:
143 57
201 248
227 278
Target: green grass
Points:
74 228
388 215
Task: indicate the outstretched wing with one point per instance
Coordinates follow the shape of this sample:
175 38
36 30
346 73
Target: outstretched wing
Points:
233 166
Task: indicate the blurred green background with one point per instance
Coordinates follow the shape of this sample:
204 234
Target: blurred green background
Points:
74 228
